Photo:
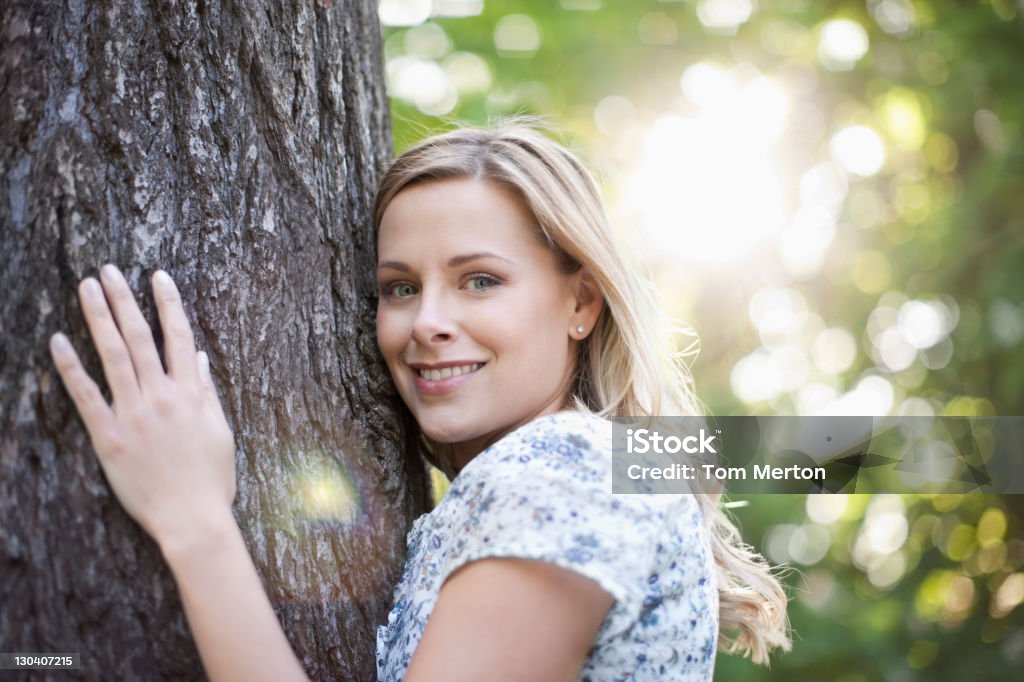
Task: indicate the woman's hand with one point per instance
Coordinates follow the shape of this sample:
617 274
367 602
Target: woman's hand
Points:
164 443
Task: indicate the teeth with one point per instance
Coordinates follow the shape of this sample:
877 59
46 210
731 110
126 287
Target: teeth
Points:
448 372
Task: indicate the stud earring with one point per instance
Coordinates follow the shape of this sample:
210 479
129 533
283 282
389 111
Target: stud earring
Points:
579 329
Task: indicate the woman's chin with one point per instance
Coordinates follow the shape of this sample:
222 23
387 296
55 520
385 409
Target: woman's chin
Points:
455 432
445 435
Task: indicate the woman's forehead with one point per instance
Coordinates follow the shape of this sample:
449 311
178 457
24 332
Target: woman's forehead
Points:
461 194
466 214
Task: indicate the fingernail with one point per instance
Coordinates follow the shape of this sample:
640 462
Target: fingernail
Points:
92 288
163 279
59 343
204 365
111 274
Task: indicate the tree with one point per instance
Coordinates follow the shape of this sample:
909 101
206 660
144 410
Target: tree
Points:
236 145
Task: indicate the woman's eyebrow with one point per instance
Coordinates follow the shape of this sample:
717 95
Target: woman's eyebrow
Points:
456 261
394 265
453 262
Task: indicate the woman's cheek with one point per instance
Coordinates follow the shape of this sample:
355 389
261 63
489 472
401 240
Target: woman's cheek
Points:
388 341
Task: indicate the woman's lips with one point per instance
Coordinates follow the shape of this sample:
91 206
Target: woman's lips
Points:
437 381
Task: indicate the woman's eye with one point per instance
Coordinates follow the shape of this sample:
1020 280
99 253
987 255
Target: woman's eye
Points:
398 290
481 282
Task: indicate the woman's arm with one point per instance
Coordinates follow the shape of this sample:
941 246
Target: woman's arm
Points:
168 453
237 632
510 619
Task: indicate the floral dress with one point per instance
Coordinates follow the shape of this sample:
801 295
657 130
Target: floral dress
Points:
544 492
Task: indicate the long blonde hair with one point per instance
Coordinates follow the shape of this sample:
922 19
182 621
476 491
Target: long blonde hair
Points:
627 365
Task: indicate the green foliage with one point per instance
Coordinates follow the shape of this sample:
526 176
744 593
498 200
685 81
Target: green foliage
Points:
933 609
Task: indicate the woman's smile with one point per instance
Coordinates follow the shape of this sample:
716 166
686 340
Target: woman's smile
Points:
443 377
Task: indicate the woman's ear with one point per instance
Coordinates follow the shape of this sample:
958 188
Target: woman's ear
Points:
589 303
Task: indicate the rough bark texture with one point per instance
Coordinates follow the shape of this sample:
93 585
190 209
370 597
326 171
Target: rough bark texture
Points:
236 145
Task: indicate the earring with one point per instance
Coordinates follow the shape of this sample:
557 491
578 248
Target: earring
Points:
579 329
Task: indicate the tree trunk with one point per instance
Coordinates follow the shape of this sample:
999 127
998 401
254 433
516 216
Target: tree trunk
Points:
236 145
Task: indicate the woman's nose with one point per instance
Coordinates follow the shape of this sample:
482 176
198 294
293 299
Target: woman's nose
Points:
435 319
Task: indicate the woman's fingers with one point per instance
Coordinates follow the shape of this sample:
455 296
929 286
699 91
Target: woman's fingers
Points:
95 412
136 332
207 381
117 362
180 347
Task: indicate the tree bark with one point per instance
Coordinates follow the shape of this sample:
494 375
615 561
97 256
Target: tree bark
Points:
236 145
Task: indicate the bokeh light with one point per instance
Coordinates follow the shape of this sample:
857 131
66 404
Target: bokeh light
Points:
517 35
404 12
323 492
896 17
724 16
858 149
423 83
842 44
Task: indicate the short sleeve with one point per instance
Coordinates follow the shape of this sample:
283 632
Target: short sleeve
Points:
545 494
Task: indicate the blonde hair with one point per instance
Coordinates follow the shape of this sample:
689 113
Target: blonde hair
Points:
626 366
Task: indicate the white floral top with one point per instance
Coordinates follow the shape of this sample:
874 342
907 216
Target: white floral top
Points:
544 492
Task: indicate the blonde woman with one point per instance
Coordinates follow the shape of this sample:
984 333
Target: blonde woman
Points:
513 329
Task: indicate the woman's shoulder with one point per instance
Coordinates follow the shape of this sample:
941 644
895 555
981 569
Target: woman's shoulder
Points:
567 440
544 492
583 430
566 454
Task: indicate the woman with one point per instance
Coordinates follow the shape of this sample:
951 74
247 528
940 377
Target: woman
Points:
513 328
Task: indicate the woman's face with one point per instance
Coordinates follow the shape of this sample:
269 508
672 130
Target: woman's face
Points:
475 320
